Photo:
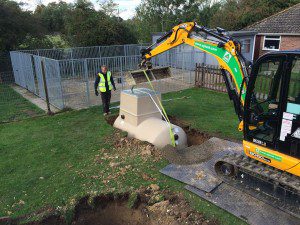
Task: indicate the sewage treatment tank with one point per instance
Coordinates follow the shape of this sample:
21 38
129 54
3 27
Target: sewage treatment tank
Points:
141 118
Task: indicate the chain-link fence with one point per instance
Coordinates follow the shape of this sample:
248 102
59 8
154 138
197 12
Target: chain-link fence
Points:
70 73
6 93
6 79
13 106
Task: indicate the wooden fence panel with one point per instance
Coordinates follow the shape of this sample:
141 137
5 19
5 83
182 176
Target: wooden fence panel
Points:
210 77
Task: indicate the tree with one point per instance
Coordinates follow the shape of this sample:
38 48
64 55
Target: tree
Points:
33 42
161 15
237 14
16 25
52 15
84 26
109 7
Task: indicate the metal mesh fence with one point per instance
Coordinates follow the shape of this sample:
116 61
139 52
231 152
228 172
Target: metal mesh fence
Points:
70 73
5 64
88 52
6 96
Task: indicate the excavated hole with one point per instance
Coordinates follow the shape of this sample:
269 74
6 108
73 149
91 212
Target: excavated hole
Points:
120 209
110 210
194 137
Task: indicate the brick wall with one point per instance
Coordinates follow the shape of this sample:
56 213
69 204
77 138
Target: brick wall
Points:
290 42
287 43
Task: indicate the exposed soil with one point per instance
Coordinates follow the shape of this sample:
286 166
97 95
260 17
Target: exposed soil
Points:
194 154
148 206
199 149
115 213
194 137
124 146
111 119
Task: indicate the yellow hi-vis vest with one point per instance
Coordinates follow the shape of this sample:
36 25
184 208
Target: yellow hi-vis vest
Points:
101 84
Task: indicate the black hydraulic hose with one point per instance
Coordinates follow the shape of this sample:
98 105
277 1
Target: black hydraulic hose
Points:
162 38
212 33
148 49
165 36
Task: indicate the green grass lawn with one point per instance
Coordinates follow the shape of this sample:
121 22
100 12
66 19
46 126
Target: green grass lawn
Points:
205 110
42 158
50 161
14 107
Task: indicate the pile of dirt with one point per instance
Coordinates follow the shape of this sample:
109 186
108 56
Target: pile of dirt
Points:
149 206
125 146
111 119
191 155
199 146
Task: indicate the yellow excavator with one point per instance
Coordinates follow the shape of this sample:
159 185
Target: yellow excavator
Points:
266 101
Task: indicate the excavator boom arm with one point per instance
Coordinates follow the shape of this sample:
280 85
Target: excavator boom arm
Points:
223 48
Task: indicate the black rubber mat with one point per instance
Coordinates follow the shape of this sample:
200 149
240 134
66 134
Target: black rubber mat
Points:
202 180
244 206
201 176
196 175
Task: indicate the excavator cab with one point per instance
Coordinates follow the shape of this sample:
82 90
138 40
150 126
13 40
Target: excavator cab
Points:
272 106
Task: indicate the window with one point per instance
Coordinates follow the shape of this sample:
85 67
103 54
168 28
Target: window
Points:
271 43
291 140
245 45
264 104
293 105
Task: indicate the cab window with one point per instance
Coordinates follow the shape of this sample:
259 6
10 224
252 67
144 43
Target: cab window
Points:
289 137
293 103
265 100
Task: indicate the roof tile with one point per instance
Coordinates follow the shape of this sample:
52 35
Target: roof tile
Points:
286 21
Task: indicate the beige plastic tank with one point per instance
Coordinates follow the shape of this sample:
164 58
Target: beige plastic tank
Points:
141 118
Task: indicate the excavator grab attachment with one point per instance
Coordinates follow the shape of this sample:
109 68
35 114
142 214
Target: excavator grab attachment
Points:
158 73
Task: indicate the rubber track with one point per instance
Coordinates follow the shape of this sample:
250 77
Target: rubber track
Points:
263 171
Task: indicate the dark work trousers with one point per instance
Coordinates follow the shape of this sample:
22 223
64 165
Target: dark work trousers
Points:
105 96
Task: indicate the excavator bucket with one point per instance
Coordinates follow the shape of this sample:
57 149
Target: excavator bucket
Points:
138 76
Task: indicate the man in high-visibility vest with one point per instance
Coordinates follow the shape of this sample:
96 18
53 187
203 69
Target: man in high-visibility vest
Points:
104 83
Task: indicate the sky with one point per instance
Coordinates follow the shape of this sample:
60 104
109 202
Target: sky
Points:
126 7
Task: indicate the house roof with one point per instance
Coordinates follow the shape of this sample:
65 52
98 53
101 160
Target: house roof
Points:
242 33
286 21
